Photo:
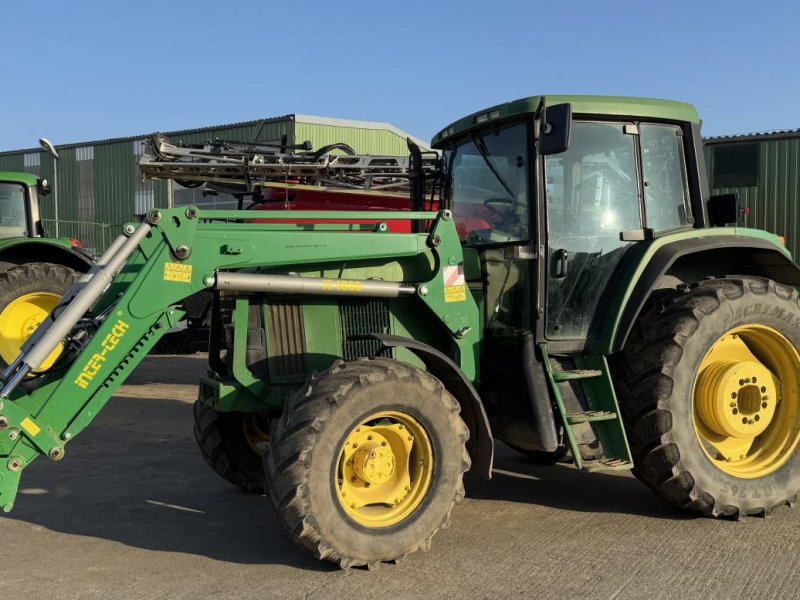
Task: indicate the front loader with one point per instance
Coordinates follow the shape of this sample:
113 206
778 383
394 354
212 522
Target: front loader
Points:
571 293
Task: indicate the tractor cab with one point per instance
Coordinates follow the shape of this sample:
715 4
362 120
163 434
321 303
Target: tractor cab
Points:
574 188
562 199
19 205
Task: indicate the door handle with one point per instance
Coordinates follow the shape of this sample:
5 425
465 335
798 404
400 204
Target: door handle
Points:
562 264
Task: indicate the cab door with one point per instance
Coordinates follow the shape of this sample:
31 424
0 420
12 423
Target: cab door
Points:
593 194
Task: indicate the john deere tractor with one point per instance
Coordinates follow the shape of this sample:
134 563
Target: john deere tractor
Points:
570 289
35 271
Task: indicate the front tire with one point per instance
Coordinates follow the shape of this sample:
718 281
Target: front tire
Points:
232 443
28 293
367 462
711 396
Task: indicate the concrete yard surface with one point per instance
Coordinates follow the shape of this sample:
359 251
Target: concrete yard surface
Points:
133 511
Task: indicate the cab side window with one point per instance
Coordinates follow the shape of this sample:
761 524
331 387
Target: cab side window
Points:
663 168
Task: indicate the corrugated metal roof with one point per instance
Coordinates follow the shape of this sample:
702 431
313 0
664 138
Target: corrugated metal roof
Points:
132 138
778 134
290 117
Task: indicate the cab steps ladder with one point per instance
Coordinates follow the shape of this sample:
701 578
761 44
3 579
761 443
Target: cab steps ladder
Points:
603 413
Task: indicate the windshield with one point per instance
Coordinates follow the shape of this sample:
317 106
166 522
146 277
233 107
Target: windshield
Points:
487 185
12 210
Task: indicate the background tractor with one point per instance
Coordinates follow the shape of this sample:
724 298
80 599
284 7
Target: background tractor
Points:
570 286
35 271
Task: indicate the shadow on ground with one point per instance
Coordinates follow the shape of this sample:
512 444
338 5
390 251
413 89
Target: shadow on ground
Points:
518 479
136 477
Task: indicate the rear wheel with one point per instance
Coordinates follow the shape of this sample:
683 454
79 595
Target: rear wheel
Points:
233 444
712 397
28 293
367 461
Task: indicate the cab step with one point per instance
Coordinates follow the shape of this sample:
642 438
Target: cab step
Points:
590 416
607 464
576 374
602 413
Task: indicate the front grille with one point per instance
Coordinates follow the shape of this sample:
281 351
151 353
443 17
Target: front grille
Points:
360 316
287 339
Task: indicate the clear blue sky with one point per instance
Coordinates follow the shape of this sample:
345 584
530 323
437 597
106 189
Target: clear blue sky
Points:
84 70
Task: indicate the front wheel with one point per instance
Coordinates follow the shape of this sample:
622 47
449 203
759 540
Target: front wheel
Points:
367 461
711 397
28 294
232 443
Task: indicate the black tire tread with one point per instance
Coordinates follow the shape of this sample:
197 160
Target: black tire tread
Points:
44 276
210 440
295 433
646 366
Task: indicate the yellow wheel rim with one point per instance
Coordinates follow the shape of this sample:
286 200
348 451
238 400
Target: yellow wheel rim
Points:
746 405
20 319
254 434
385 469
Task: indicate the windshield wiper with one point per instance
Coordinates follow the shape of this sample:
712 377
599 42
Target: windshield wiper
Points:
481 146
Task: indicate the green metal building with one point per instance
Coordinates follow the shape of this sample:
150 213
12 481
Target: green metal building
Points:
100 188
764 170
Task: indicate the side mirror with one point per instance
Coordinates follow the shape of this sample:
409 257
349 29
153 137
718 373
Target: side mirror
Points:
723 209
555 128
43 187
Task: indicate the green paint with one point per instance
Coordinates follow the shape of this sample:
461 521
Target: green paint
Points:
638 260
613 106
142 306
142 303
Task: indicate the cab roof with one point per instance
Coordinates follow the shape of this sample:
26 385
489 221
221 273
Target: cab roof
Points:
617 106
16 177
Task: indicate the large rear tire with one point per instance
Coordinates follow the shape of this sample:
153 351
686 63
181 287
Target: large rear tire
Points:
28 293
710 395
367 462
233 443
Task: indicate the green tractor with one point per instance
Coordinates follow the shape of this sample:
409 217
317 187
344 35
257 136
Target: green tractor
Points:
35 271
570 289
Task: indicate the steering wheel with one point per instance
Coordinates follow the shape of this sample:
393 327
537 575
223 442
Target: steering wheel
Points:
508 218
508 201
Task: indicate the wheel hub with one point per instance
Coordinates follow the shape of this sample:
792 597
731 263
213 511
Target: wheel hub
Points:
746 405
374 463
736 399
385 469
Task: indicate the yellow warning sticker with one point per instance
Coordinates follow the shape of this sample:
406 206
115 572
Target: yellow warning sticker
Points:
32 428
177 272
455 289
455 293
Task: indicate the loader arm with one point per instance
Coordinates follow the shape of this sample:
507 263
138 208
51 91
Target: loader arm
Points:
119 310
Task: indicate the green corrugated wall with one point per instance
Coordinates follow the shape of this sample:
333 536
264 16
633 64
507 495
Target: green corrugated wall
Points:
775 202
362 140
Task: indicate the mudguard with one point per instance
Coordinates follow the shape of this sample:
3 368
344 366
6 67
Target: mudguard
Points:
480 444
